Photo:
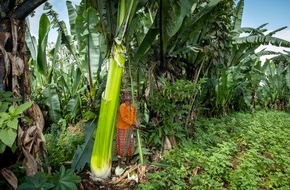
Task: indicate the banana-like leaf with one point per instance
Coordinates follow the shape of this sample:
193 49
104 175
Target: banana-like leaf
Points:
208 7
53 103
76 82
72 17
262 40
238 16
146 43
275 31
288 77
83 153
56 50
173 14
31 42
94 48
44 27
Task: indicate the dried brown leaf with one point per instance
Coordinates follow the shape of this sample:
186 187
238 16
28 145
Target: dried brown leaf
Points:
18 65
29 163
195 171
124 175
142 170
10 177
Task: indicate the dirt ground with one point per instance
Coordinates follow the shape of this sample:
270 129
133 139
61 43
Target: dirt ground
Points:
120 182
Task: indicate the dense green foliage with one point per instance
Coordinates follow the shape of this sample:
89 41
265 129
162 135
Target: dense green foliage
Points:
240 151
64 141
60 180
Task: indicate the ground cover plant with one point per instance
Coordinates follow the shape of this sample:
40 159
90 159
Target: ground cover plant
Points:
239 151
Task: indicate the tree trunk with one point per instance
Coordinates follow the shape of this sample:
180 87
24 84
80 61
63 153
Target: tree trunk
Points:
15 77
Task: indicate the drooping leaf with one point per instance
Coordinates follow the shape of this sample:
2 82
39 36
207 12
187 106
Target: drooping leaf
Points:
94 49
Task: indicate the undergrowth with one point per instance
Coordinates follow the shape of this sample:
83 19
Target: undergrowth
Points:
240 151
61 145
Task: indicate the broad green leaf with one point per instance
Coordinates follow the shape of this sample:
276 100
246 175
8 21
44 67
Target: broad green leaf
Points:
238 16
13 123
77 82
288 77
202 13
35 183
8 136
6 94
83 153
4 115
3 106
21 108
146 43
262 40
72 17
65 179
44 27
181 9
11 109
72 103
2 147
56 51
53 103
173 14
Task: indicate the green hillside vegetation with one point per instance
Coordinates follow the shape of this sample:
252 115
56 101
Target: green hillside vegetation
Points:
240 151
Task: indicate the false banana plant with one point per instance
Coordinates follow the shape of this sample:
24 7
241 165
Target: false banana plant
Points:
102 151
101 159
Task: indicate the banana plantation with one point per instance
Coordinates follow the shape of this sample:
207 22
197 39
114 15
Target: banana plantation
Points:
208 113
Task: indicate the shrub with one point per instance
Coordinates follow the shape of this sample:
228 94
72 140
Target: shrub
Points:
62 144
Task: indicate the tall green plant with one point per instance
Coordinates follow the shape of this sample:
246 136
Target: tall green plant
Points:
101 159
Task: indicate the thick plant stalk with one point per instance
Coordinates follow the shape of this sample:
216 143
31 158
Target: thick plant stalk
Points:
101 160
